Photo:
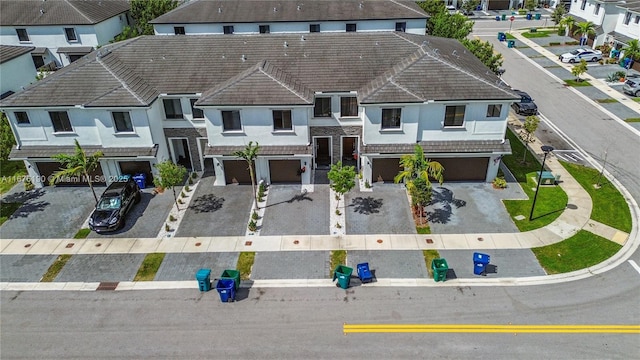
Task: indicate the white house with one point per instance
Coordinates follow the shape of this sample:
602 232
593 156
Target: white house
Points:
61 30
16 69
617 22
309 100
627 26
199 17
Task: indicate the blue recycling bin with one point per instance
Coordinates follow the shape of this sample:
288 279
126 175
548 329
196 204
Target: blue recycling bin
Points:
364 273
480 262
511 43
529 16
497 18
227 290
204 279
141 180
502 36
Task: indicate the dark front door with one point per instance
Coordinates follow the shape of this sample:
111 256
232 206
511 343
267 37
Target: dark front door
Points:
323 153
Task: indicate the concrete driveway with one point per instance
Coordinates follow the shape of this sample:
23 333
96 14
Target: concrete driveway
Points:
290 212
50 212
383 211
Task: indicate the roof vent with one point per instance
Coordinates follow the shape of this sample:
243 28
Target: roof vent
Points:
455 53
223 56
275 9
286 44
244 58
302 38
361 5
299 7
219 10
41 11
377 43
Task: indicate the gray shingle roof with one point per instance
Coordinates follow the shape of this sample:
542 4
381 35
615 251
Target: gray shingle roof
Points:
264 150
630 5
135 72
9 52
253 11
444 146
59 12
46 152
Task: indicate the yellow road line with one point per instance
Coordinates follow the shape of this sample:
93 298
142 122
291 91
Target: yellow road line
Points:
488 328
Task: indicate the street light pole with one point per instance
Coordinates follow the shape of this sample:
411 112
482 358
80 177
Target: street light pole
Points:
546 149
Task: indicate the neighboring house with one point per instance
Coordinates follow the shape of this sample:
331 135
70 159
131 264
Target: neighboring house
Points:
16 69
627 26
199 17
602 13
309 100
61 31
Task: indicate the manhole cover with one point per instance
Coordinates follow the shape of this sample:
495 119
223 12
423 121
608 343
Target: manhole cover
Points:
571 206
429 241
107 286
70 245
198 244
98 244
379 241
28 245
296 242
248 243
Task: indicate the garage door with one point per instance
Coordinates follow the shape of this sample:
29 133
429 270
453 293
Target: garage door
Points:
236 171
385 169
469 169
136 167
46 170
284 171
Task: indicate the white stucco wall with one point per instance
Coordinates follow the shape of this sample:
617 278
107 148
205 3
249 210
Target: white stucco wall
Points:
16 73
631 30
105 31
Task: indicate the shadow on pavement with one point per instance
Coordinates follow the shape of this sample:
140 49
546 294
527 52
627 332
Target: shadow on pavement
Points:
451 274
445 198
28 206
295 198
207 203
366 205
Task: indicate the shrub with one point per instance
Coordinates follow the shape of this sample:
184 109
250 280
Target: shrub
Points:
367 185
182 194
554 43
254 216
522 12
338 212
262 187
167 228
572 43
180 201
190 181
194 175
28 185
187 188
172 218
338 226
252 226
561 30
500 183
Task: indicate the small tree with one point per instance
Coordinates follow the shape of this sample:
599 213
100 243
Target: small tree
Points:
569 22
579 69
585 29
558 14
79 164
632 51
143 11
343 178
453 26
417 166
6 137
470 5
250 154
170 175
530 5
530 126
483 50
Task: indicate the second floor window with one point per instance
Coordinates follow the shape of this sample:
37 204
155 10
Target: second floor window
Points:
60 121
627 18
22 34
282 120
454 115
179 30
391 118
348 106
122 121
231 120
197 113
22 117
401 26
227 29
172 109
265 29
70 33
322 107
637 20
494 110
597 10
351 27
583 4
314 28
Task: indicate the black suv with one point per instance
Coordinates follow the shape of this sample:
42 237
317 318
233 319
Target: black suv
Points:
114 205
526 106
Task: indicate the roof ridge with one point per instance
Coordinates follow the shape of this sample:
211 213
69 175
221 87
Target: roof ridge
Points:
78 10
266 64
124 84
407 7
232 80
387 76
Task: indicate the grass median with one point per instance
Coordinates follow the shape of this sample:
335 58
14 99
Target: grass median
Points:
7 209
245 263
55 268
149 267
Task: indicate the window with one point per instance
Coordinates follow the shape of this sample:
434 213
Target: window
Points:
348 106
70 33
454 115
179 30
231 120
60 121
401 26
22 34
172 109
22 117
637 19
583 5
627 18
122 121
282 120
227 29
597 10
197 113
265 29
38 61
73 58
494 110
314 28
322 107
391 118
351 27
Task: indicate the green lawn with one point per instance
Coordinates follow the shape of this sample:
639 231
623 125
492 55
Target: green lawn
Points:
576 83
537 34
245 263
11 171
609 206
577 252
82 233
510 37
632 119
338 257
429 255
606 101
6 210
55 268
149 267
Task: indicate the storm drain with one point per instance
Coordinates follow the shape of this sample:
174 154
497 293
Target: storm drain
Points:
107 286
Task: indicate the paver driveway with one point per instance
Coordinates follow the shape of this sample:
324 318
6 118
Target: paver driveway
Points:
291 212
383 211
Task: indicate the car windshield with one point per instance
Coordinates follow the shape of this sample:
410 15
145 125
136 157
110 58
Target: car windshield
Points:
109 203
575 52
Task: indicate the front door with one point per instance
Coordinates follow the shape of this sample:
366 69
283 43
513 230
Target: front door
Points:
322 152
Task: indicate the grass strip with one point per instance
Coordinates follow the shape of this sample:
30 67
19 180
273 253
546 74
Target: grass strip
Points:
426 229
606 101
580 251
537 34
12 172
429 255
149 267
632 120
245 263
7 209
609 206
337 257
576 83
82 233
55 268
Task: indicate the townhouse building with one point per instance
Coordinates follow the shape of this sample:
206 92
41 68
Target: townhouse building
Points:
309 100
199 17
61 31
16 70
616 22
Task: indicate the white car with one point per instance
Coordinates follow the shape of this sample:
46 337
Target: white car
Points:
579 54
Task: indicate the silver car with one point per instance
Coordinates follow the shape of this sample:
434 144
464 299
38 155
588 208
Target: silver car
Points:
632 86
580 54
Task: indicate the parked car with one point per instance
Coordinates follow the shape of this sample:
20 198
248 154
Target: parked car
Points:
113 206
632 87
467 12
526 106
579 54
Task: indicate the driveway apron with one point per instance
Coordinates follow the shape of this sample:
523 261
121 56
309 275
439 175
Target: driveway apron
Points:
383 211
101 267
183 266
503 263
399 264
291 265
290 212
24 268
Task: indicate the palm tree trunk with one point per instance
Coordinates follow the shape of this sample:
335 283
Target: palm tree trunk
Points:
175 197
253 186
91 187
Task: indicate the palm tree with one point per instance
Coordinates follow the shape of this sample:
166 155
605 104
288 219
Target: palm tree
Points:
558 14
632 51
417 172
79 164
568 22
585 29
249 154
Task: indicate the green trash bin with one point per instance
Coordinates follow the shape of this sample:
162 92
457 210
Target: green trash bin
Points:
533 30
232 275
538 16
504 17
343 274
440 268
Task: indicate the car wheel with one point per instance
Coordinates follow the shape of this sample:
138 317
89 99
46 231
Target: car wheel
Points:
594 59
571 61
637 93
137 197
122 223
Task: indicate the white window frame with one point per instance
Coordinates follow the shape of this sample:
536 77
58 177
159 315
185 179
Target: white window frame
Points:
68 119
273 115
127 116
75 34
390 129
226 131
454 126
